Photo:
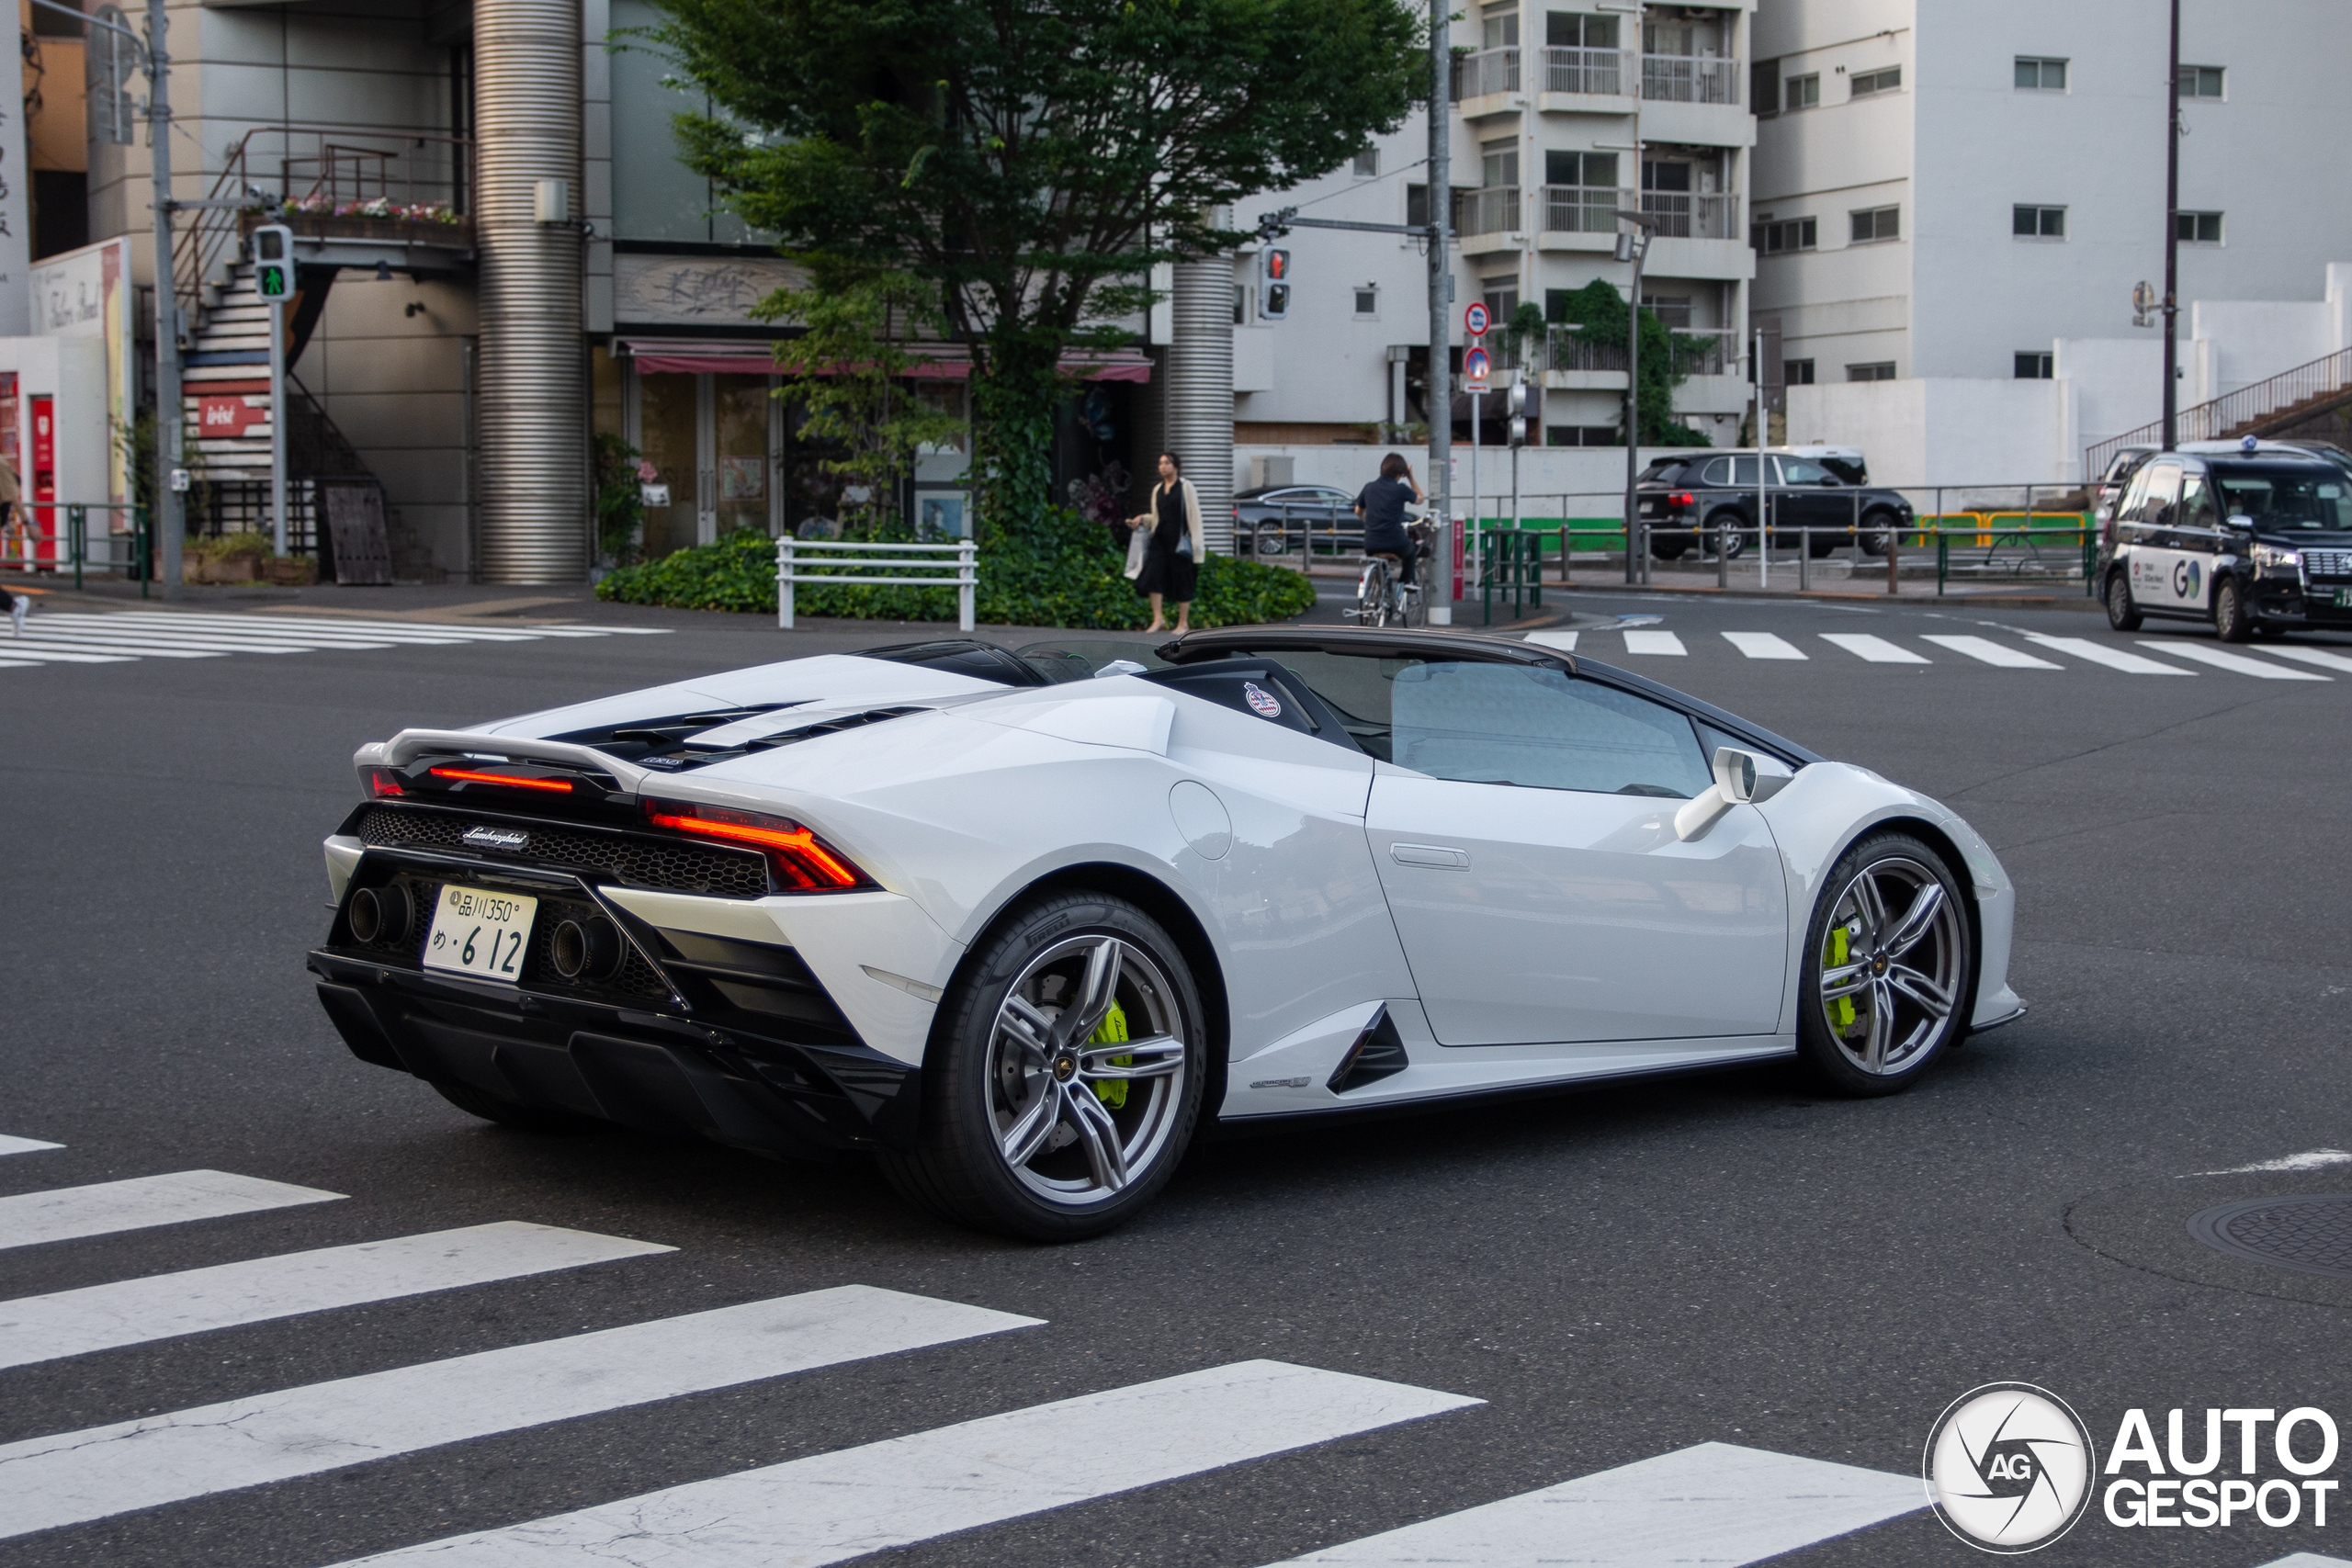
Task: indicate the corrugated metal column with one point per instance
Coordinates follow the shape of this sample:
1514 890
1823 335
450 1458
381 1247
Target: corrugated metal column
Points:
1200 390
533 412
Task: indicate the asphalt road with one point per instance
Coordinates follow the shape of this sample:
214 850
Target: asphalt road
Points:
1617 1274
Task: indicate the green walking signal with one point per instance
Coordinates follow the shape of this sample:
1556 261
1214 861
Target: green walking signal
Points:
273 263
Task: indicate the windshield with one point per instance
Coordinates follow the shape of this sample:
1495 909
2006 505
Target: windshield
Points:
2280 497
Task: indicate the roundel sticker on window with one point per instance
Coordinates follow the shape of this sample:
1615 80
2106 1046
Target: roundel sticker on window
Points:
1262 700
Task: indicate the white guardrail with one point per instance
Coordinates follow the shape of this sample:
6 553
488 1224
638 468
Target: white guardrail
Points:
885 565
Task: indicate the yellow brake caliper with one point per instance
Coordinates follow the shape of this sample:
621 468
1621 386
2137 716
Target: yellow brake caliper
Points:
1113 1031
1842 1009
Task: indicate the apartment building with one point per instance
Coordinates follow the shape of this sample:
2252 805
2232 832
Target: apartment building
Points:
1953 200
1561 118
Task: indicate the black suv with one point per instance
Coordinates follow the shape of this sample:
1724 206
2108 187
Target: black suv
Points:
2253 543
1679 496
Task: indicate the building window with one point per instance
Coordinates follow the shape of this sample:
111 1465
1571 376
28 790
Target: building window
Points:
2038 222
1882 371
1367 302
2198 228
1573 29
1501 30
1593 170
1367 162
2200 81
1796 372
1501 294
1240 304
1802 92
1764 87
2032 365
1876 223
1671 309
1789 235
1499 161
1881 81
1417 206
2038 75
1579 436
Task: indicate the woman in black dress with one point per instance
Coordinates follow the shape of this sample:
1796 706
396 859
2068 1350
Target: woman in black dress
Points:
1174 547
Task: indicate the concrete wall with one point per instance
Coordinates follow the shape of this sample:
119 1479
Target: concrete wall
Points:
1593 479
1939 431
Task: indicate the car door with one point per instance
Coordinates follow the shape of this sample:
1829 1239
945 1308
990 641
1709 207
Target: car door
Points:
2198 536
1524 836
1813 498
2159 568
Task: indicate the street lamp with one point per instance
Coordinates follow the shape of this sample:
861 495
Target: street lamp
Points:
1632 248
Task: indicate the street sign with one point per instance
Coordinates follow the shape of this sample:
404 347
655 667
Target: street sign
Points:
1476 319
1475 368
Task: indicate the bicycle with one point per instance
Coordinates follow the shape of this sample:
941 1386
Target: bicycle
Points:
1382 599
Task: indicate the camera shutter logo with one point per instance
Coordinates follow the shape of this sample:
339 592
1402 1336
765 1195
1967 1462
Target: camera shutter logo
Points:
2009 1467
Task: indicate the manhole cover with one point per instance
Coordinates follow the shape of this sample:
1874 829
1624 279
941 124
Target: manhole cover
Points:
2311 1234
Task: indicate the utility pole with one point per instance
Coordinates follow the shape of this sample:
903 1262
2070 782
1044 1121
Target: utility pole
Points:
1633 247
2171 237
167 530
1441 375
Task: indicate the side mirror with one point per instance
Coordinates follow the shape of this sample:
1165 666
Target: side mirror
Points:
2242 521
1740 777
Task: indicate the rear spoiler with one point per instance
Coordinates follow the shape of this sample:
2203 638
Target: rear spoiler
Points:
410 744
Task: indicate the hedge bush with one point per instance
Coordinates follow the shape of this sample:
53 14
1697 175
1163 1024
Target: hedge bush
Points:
1062 572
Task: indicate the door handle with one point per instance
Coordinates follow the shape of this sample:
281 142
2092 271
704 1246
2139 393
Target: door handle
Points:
1429 854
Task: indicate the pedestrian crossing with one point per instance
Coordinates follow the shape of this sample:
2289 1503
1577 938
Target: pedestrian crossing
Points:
123 636
2022 650
1713 1502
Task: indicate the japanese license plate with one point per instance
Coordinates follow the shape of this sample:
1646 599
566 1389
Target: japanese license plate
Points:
480 932
2343 598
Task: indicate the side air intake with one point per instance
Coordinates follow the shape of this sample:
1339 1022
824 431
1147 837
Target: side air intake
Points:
1378 1053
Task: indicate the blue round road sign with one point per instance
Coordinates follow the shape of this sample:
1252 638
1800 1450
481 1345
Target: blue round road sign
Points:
1475 365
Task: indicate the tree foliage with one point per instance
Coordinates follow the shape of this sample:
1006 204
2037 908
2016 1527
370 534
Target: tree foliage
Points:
1599 311
1031 160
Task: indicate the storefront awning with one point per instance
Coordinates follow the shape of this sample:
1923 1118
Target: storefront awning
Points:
944 362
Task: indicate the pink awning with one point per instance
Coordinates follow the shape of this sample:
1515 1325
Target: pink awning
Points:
947 362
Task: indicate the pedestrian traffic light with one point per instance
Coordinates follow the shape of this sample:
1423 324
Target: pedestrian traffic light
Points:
1522 412
273 263
1274 292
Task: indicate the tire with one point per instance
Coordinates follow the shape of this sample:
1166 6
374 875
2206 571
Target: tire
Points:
1017 1135
506 1114
1820 546
1732 542
2230 622
2120 613
1663 549
1875 973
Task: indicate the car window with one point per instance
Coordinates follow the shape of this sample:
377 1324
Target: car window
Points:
2162 488
1797 471
2285 498
1847 473
1662 470
2197 503
1743 473
1717 473
1509 724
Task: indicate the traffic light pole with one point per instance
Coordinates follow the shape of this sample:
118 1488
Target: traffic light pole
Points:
170 526
278 426
1441 374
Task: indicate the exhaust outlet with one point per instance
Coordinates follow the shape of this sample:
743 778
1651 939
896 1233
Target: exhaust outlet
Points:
585 950
381 914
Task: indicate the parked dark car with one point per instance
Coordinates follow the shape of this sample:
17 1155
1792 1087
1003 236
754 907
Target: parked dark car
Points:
1681 496
1327 512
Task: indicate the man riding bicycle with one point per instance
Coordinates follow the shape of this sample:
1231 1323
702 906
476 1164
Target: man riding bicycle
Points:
1382 506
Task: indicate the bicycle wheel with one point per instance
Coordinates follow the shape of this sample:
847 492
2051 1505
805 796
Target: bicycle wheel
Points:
1372 594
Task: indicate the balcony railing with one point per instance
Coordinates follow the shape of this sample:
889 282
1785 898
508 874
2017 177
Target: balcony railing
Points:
1605 71
1681 217
1493 210
1688 79
1488 71
1706 351
1583 209
1563 350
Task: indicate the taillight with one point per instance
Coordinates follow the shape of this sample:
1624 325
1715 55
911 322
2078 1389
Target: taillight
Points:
804 862
511 780
1680 503
381 782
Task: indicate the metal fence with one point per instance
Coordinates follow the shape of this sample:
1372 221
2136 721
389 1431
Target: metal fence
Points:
1677 216
2214 421
1582 209
1493 210
1607 72
877 566
1689 80
52 538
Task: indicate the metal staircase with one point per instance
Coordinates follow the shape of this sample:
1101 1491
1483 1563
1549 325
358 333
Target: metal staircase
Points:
2261 408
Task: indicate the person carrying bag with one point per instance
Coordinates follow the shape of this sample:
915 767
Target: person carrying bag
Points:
1174 544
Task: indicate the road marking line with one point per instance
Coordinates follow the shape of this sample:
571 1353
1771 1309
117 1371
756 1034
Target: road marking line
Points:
2236 664
1876 650
64 1214
194 1300
1663 643
621 631
829 1507
9 1145
275 631
2311 655
17 664
1565 641
94 628
2104 653
17 651
1986 650
1716 1504
2309 1560
73 1477
1764 644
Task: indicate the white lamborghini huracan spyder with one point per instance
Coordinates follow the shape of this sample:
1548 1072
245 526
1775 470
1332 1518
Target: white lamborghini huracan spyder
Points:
1022 923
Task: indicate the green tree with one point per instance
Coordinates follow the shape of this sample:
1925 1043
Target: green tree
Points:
1030 160
1598 312
620 498
847 369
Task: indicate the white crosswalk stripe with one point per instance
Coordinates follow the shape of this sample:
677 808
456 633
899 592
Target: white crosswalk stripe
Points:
1660 643
73 1477
228 1295
1985 651
1876 650
2309 1560
1715 1503
2312 655
11 1146
2101 653
2236 664
1764 644
117 637
66 1213
830 1507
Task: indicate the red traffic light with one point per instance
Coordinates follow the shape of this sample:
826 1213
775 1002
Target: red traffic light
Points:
1277 265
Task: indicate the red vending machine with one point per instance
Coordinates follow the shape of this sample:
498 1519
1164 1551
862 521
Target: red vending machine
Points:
41 483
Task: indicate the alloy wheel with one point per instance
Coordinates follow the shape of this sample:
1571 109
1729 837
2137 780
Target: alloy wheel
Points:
1890 965
1087 1057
